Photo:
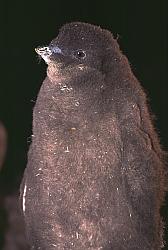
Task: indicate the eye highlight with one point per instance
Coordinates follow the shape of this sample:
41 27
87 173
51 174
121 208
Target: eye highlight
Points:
80 54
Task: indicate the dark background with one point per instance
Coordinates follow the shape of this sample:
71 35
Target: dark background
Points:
142 30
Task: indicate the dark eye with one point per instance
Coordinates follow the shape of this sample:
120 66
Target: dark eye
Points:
80 54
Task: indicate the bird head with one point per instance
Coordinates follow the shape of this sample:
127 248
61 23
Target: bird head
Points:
79 45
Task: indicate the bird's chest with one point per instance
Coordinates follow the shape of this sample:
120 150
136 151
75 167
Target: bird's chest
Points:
71 166
64 157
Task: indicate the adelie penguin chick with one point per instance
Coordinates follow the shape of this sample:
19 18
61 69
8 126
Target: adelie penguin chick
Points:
95 177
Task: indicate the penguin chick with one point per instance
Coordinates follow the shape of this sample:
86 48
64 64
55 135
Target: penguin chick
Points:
95 176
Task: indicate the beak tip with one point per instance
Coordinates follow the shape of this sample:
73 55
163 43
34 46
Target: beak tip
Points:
36 50
43 50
